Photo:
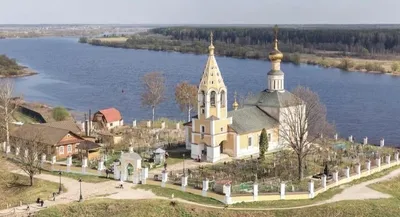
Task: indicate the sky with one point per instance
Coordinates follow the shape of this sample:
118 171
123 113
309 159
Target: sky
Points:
199 11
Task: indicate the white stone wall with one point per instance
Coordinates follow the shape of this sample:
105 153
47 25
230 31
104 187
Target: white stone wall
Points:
213 154
187 139
115 124
195 151
253 150
284 113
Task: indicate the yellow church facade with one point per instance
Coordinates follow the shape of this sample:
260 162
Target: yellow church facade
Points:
215 130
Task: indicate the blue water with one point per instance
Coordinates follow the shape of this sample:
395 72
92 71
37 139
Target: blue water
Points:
82 77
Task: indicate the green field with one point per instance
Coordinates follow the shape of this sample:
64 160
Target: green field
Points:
161 208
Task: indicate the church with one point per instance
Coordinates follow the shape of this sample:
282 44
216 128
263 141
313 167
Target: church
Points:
215 131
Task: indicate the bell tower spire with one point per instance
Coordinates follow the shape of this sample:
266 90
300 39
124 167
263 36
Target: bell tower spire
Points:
211 47
212 90
275 75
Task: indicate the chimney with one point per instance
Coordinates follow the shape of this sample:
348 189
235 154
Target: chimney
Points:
86 126
90 122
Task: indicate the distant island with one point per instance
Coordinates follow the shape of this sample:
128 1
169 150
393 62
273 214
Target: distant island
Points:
366 49
9 68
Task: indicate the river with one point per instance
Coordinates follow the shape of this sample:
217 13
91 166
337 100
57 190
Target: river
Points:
82 77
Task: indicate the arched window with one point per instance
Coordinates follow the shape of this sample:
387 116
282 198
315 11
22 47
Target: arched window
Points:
223 98
203 98
212 98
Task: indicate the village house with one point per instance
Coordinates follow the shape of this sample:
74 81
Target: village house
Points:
107 118
61 142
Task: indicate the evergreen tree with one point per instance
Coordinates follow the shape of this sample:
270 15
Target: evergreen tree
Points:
263 143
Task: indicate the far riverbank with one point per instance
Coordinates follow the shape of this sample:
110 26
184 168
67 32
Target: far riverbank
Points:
144 41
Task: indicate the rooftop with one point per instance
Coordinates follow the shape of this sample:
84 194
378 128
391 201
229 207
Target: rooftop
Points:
110 114
275 99
250 119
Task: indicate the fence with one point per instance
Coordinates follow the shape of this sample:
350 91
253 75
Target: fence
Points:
250 192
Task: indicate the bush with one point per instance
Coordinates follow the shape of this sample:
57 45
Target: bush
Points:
374 67
346 64
395 67
60 113
360 67
83 40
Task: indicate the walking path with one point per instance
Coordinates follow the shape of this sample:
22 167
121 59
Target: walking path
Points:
109 190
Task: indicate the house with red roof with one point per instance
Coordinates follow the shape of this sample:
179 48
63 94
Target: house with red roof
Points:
108 118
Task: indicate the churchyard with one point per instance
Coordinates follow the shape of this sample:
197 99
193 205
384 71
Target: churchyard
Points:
334 162
102 207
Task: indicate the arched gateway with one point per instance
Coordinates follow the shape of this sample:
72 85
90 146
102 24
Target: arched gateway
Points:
129 167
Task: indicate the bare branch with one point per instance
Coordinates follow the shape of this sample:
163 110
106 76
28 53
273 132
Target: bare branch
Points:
154 90
186 97
7 106
302 122
30 148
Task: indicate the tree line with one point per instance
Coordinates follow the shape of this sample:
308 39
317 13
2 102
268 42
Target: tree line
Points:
358 41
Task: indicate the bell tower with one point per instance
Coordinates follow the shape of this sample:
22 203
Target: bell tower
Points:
209 130
212 95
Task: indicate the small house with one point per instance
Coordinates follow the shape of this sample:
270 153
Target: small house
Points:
60 142
89 149
108 118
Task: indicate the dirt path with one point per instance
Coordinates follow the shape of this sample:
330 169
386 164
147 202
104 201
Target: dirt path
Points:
109 190
89 191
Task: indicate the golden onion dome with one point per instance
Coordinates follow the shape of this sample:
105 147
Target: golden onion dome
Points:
275 54
235 105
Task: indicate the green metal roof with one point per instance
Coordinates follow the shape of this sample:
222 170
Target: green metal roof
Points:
273 99
251 119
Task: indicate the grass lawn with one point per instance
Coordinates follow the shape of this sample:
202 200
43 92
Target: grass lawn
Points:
15 188
176 157
18 116
391 187
167 192
161 208
321 197
85 178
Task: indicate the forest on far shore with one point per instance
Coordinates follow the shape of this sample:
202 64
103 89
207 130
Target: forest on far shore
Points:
360 42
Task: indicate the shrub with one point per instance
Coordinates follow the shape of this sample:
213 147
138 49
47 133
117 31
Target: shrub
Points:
395 67
60 113
346 64
374 67
83 40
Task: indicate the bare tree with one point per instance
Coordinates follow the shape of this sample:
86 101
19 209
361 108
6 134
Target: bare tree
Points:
186 97
302 122
7 106
154 90
31 149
